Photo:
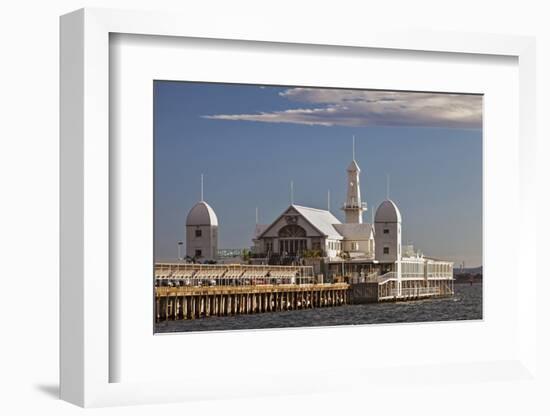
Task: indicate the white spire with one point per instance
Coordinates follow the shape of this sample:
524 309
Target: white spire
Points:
328 200
291 192
353 207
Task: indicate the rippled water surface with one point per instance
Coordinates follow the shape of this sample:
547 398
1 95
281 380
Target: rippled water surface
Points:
465 305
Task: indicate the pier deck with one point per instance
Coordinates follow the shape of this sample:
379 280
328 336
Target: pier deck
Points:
192 302
391 290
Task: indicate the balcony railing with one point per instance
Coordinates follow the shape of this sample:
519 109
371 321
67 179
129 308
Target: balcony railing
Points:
387 277
417 291
362 205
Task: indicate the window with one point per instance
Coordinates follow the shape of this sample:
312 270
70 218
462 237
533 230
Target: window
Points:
386 231
386 250
198 233
292 230
198 253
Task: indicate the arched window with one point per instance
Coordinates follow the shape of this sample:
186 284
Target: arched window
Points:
292 231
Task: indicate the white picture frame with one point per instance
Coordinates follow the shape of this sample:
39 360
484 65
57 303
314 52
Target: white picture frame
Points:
86 355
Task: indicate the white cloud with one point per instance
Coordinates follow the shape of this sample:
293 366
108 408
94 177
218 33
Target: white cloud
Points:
357 108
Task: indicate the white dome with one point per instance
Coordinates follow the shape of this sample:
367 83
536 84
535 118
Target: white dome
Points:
201 214
387 212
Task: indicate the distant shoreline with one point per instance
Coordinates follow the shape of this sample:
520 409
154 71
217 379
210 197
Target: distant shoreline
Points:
463 278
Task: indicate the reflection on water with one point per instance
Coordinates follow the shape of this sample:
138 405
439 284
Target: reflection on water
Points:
465 305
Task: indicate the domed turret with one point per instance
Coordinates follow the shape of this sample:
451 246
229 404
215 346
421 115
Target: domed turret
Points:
202 214
387 232
387 212
202 232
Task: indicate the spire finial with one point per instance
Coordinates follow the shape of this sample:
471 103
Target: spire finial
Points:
328 200
353 147
257 216
202 186
387 186
291 192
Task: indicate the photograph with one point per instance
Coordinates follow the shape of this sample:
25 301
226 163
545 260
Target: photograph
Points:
280 206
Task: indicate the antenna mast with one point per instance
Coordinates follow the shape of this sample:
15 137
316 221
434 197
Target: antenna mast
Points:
202 187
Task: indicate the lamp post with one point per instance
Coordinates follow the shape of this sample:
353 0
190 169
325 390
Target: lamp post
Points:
180 243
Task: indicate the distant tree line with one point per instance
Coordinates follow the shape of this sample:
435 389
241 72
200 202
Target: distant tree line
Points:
468 277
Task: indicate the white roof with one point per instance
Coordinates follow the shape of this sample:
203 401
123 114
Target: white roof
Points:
355 231
321 219
387 212
259 229
202 214
353 167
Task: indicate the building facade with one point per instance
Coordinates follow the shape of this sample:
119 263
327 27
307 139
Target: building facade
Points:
300 230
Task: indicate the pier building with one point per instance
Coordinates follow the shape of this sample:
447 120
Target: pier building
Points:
305 258
353 251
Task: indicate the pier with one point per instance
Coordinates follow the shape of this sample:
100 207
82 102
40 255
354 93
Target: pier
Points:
390 288
194 291
193 302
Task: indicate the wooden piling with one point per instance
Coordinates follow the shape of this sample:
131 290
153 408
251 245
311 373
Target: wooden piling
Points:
204 302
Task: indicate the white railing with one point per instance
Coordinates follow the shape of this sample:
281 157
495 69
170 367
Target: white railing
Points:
355 205
387 277
411 275
416 291
440 275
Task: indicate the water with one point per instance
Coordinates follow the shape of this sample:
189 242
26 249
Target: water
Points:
466 304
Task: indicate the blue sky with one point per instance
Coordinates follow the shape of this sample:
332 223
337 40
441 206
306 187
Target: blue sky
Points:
251 141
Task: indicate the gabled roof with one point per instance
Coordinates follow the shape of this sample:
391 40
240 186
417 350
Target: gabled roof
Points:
362 231
259 230
319 219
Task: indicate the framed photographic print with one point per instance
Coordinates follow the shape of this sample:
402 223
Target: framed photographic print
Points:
278 151
287 213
